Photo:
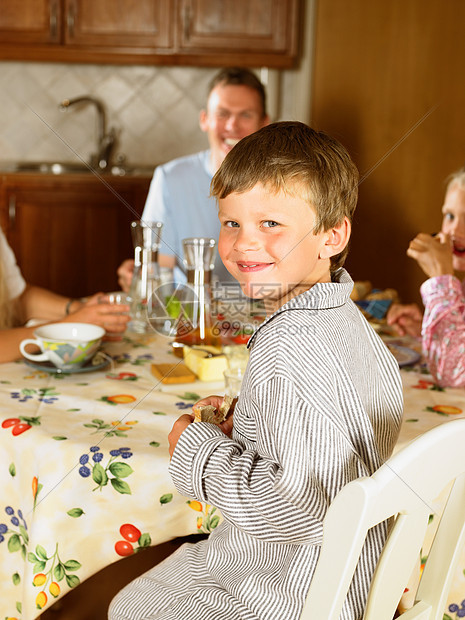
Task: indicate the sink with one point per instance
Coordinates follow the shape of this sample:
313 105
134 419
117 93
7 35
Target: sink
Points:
51 168
79 168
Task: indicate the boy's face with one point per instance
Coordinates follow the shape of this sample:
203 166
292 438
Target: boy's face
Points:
266 242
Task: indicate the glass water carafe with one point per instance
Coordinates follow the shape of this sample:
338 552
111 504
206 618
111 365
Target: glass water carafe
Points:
146 238
195 323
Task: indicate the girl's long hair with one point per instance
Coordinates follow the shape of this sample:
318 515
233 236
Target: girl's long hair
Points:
6 305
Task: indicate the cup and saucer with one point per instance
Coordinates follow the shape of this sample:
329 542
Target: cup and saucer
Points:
66 348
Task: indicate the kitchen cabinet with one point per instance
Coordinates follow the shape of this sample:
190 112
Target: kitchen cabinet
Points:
71 232
119 24
236 27
74 25
172 32
29 22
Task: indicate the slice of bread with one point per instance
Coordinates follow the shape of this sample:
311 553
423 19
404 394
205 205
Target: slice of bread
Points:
207 413
225 406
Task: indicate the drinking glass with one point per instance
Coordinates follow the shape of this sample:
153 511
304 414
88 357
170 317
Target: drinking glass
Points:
116 298
232 382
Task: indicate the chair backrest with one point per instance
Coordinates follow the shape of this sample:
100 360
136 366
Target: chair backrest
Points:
404 487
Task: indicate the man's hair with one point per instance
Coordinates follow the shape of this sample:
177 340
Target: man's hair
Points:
291 157
238 76
456 178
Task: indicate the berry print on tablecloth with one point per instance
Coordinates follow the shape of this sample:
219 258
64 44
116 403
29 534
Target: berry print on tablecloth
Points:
92 466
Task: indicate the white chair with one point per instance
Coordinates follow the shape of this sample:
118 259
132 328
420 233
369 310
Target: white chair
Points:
404 487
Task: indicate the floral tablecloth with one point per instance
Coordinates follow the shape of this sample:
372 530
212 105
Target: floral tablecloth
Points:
84 469
84 472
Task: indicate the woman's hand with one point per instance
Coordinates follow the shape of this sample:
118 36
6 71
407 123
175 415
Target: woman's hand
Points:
112 317
433 254
405 319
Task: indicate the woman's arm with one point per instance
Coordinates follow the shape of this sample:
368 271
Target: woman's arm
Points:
34 302
10 340
38 303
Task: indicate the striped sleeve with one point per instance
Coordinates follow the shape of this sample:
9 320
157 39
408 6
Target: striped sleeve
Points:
312 461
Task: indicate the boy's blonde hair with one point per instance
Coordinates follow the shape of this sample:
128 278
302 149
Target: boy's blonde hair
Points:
291 157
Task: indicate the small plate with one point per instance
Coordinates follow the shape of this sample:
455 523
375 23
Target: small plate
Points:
49 367
404 355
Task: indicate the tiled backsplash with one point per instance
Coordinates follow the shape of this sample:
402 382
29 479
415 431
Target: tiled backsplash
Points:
155 109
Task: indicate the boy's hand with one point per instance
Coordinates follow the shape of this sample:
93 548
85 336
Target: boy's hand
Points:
183 421
217 401
228 424
433 254
405 318
214 400
178 428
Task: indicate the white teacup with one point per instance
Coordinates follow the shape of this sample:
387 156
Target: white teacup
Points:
66 345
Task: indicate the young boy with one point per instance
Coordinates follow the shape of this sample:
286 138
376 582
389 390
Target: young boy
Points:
320 404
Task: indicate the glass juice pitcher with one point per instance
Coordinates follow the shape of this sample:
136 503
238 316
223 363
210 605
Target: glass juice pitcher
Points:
195 324
146 238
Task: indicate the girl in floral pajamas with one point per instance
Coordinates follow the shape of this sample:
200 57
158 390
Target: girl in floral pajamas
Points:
441 257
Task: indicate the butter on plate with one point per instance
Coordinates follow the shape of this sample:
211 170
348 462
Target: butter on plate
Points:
206 368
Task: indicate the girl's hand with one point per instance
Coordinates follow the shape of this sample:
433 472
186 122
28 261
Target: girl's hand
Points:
433 254
405 318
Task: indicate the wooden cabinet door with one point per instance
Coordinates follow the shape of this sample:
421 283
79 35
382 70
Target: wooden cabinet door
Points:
265 26
209 33
119 23
30 21
70 235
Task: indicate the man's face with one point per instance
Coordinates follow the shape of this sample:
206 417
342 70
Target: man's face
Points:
233 112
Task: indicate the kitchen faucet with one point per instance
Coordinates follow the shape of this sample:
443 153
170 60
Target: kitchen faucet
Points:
106 142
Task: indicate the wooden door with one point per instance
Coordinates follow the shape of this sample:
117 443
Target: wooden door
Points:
387 83
119 23
30 21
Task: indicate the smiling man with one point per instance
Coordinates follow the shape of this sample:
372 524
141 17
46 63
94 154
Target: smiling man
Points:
179 194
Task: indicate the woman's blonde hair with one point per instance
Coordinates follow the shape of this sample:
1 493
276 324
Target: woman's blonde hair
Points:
6 305
291 157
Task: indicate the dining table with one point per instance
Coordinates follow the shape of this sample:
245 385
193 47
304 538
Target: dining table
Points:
84 465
